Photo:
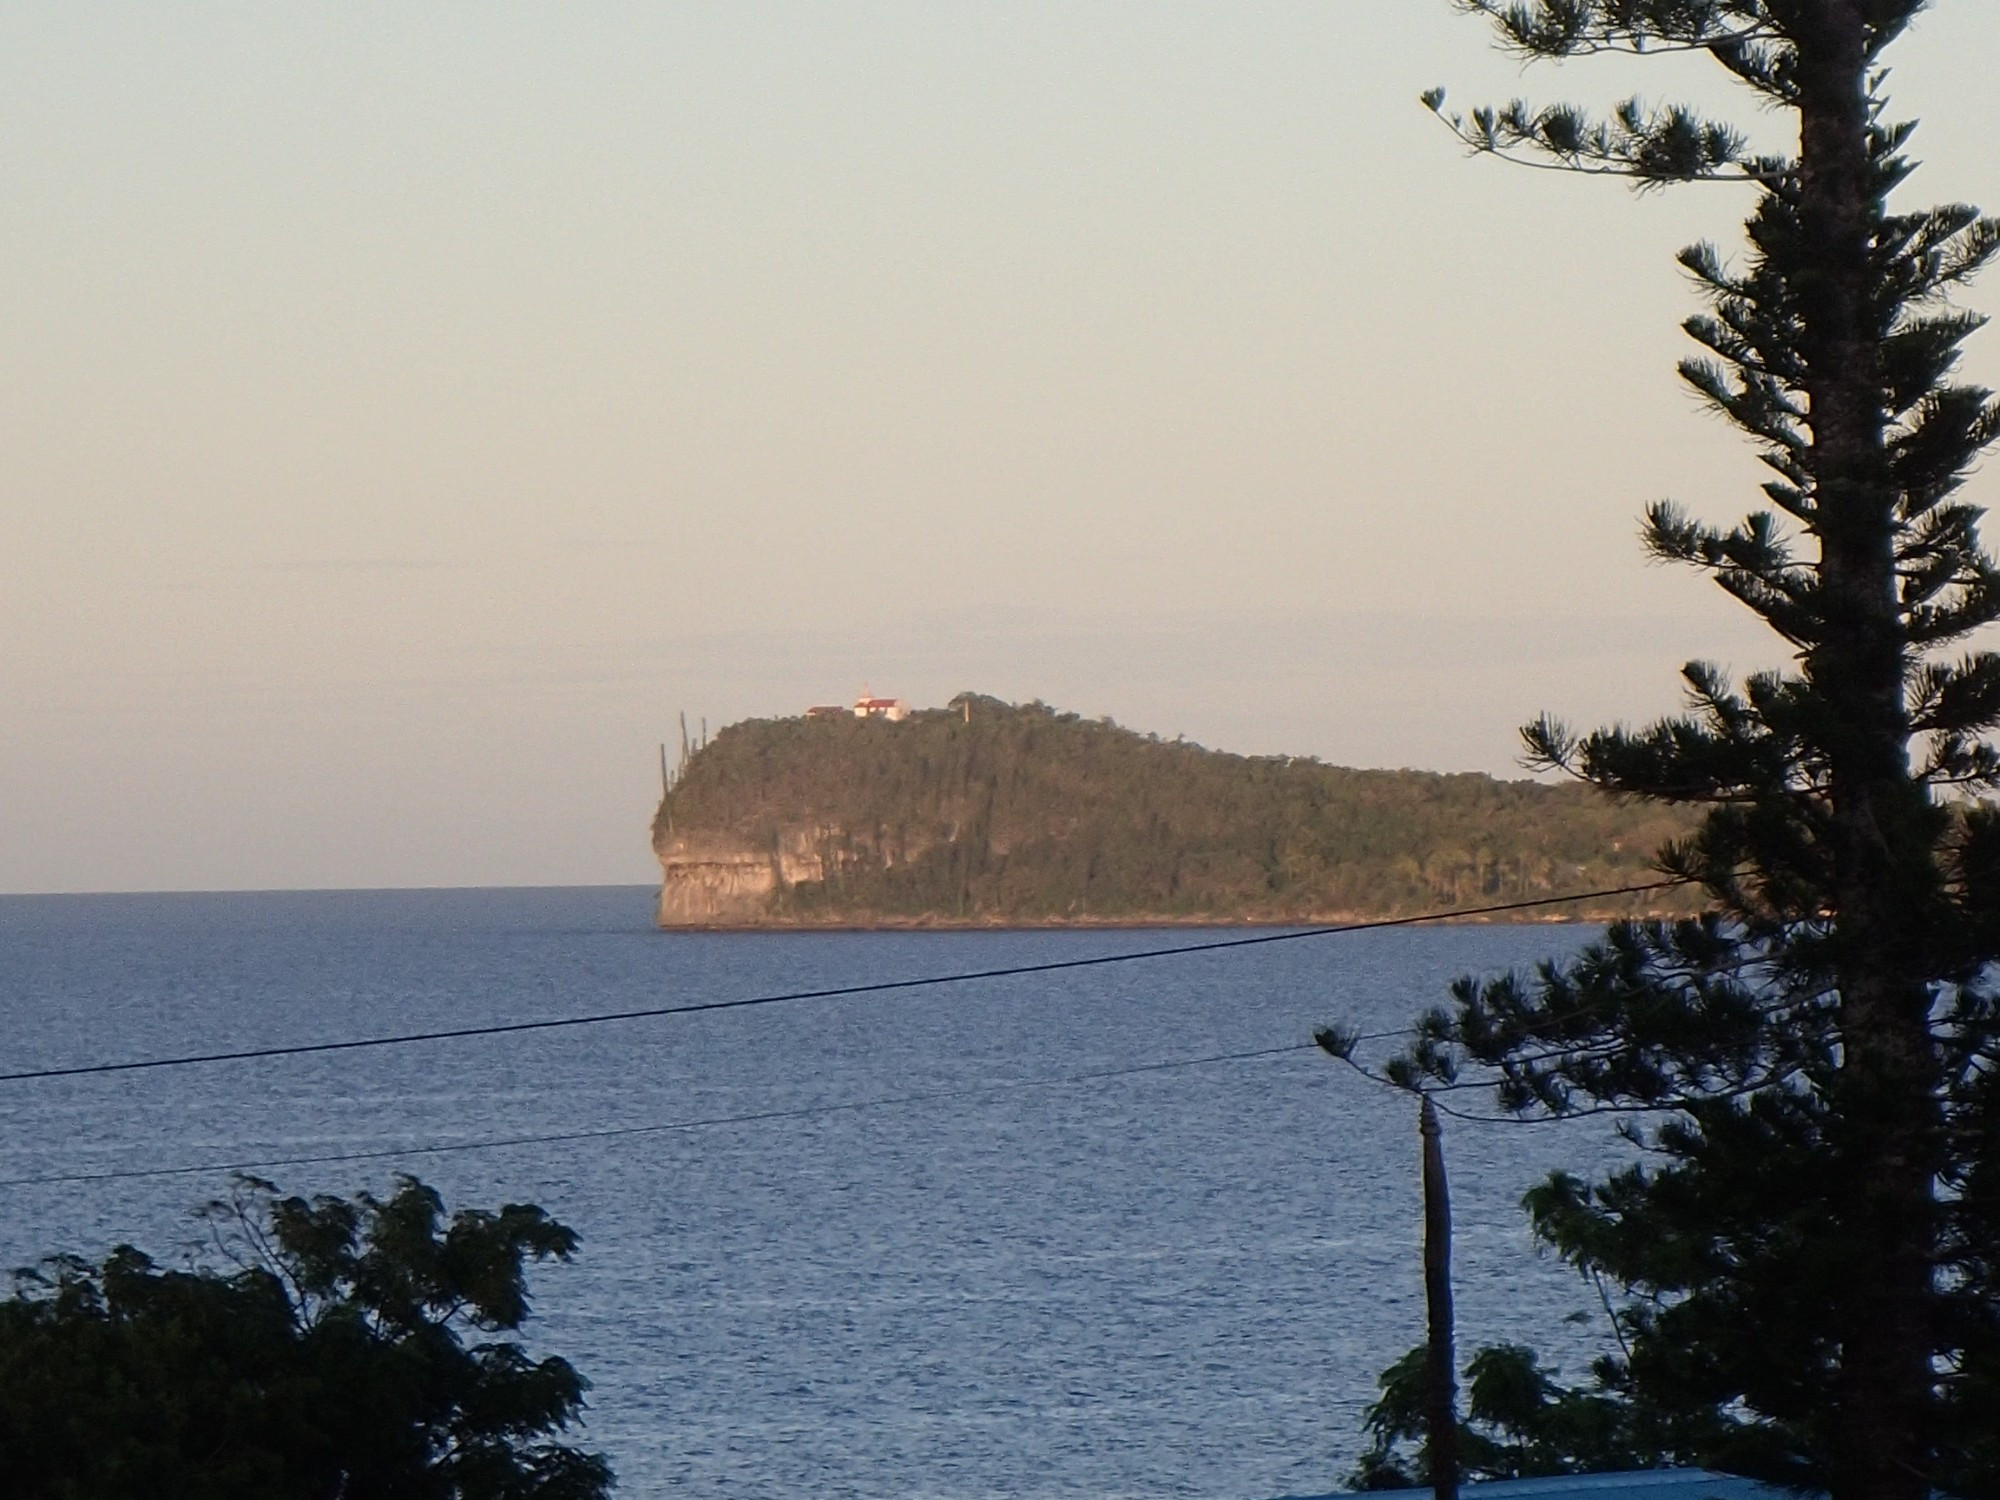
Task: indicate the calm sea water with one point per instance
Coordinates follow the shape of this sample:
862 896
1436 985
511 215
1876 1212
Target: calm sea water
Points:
1176 1283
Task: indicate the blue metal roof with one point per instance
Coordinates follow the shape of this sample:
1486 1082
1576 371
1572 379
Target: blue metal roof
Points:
1638 1484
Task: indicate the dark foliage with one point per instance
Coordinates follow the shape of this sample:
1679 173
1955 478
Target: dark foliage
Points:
1519 1423
1026 814
1807 1243
322 1354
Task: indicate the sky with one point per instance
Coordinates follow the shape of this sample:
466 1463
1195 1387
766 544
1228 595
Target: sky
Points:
407 412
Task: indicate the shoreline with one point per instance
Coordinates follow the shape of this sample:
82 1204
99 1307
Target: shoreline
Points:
1349 920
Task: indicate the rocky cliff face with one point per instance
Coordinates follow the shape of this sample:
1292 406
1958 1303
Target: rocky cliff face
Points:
711 880
718 880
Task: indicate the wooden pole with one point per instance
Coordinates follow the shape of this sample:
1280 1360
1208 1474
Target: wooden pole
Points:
1441 1407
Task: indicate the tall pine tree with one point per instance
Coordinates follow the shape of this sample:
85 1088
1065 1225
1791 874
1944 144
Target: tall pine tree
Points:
1809 1240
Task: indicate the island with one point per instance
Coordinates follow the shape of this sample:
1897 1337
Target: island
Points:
992 814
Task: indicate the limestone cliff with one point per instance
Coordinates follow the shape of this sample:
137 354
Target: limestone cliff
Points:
710 880
718 879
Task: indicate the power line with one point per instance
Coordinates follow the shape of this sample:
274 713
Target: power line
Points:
800 1112
508 1028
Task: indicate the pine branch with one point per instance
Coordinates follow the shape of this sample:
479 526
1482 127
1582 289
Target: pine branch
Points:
1650 147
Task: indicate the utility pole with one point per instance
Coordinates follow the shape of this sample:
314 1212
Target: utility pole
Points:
1441 1379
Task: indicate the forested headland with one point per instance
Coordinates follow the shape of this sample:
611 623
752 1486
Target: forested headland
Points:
988 813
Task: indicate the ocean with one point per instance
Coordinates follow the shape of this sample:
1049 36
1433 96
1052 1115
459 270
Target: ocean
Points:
1174 1282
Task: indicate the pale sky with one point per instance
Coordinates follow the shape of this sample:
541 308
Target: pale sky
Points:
406 411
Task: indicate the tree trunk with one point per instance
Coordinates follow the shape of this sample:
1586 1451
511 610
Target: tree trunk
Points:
1884 876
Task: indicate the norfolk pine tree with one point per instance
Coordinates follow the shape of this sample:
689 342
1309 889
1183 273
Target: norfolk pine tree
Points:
1808 1243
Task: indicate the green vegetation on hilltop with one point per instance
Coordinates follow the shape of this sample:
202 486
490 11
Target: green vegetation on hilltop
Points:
1023 814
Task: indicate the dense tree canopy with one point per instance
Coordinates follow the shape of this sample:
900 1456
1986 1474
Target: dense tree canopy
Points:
321 1353
1807 1242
